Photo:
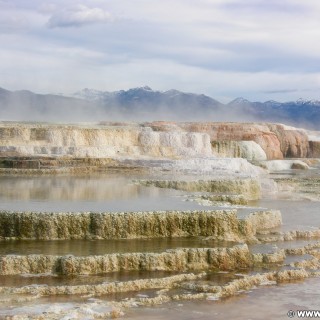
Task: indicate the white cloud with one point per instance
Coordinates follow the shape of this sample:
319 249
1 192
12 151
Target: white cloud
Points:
12 23
47 8
225 48
77 16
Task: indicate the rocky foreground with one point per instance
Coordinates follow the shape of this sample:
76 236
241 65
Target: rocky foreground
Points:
217 164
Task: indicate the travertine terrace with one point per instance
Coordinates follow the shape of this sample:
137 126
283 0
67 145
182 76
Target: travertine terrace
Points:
219 224
156 139
233 246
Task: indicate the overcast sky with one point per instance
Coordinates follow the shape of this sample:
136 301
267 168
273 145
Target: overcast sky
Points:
258 49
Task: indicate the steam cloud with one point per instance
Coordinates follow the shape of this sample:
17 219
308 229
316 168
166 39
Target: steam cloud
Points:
77 16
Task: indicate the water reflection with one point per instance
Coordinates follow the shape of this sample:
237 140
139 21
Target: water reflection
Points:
100 247
296 214
104 192
72 188
59 280
119 193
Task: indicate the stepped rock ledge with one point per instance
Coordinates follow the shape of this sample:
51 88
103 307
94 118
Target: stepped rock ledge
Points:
157 140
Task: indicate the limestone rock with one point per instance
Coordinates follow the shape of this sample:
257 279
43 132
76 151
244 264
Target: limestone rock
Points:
249 150
294 143
159 139
314 149
259 133
280 165
218 224
299 166
250 188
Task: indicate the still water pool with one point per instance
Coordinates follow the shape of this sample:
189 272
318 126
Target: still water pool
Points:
118 193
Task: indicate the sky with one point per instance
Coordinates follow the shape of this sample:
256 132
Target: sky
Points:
257 49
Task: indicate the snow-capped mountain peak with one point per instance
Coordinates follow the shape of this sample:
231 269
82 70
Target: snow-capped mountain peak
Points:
88 94
239 101
309 102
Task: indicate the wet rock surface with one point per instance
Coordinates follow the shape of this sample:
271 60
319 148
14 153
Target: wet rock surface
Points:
181 287
236 251
219 224
305 187
250 188
171 260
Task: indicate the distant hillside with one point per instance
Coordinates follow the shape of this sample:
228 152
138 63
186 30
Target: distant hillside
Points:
27 106
145 104
300 113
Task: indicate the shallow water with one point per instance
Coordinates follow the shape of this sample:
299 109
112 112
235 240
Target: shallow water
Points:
269 302
100 247
95 193
110 192
298 211
276 245
296 214
55 280
265 302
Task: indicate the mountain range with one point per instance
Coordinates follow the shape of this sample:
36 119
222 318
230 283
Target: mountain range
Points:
145 104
